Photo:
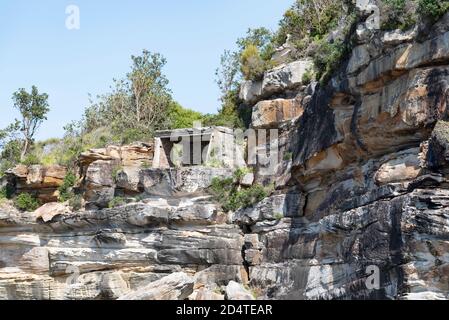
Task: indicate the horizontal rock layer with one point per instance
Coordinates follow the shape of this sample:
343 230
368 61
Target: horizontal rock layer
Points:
108 254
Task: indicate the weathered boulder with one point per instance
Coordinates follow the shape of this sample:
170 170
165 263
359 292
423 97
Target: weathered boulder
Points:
405 167
271 113
50 210
105 170
205 294
128 179
41 181
360 58
247 180
236 291
250 91
177 286
285 77
284 53
98 184
221 275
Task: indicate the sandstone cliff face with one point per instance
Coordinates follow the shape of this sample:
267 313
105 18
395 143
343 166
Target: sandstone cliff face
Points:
107 254
104 170
369 164
361 190
41 181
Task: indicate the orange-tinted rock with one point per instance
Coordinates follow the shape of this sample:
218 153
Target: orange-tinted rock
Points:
130 155
41 181
271 113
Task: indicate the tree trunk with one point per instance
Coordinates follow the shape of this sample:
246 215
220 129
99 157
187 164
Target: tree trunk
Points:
26 145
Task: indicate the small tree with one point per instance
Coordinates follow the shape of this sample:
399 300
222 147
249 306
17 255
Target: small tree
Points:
33 107
10 146
150 94
227 76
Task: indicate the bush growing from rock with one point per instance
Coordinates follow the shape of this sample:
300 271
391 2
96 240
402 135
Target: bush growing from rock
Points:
327 57
307 77
31 159
3 193
26 202
310 20
65 190
232 197
76 202
433 9
398 14
117 202
6 192
252 64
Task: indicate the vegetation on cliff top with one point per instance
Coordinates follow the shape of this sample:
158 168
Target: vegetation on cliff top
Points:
26 202
135 107
404 14
140 102
319 29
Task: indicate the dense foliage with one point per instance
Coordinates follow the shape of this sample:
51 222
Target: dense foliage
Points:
26 202
232 196
404 14
66 189
33 108
117 202
307 21
433 9
180 117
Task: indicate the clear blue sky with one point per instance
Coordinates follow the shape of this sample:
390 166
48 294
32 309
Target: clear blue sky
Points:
36 48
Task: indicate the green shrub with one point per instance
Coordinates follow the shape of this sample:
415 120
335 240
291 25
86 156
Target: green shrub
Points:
6 192
398 14
307 77
310 19
3 193
128 136
404 14
327 57
434 9
11 148
288 156
247 197
65 190
115 172
76 202
117 202
231 197
181 118
31 159
241 172
253 65
230 114
278 215
26 202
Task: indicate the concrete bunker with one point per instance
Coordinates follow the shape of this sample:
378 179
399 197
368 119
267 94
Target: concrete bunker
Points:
209 147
